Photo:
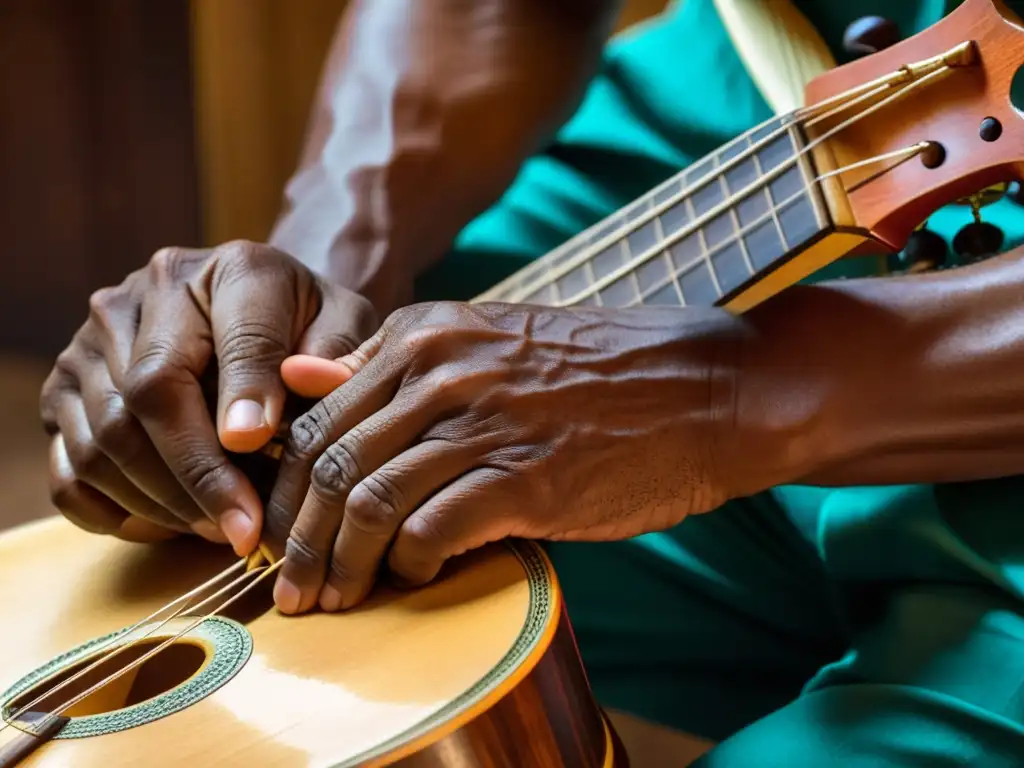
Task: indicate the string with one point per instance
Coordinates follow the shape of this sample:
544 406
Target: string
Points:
108 656
266 571
755 223
725 205
929 68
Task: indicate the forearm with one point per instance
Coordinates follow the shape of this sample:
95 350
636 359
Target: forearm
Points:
891 380
426 110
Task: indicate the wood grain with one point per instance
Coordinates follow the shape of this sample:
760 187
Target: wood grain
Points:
320 689
888 206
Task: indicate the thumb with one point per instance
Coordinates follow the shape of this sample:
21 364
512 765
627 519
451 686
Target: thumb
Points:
314 377
259 305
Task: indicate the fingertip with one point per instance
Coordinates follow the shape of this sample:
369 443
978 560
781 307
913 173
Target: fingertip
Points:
330 599
248 425
241 530
314 377
286 596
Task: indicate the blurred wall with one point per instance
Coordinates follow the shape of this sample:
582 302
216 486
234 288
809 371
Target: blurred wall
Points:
257 65
127 125
97 164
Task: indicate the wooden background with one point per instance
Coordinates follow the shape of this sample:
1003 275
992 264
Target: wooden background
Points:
130 125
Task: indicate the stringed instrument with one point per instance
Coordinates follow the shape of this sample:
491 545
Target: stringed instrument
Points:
115 654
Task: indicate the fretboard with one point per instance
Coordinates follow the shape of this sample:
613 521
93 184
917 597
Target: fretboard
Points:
700 238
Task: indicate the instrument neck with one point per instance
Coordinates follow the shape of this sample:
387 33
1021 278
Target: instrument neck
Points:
707 236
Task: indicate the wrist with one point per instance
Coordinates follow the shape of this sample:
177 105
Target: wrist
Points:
781 420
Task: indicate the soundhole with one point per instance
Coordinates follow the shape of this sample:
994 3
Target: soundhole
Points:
159 674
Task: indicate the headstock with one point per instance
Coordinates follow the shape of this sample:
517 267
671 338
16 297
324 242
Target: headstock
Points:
964 111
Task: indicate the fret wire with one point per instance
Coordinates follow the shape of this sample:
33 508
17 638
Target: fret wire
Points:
659 232
627 253
912 83
735 219
809 181
691 211
772 208
693 226
745 230
654 250
570 264
588 271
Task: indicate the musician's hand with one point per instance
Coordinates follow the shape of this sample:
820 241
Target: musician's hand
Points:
135 452
464 424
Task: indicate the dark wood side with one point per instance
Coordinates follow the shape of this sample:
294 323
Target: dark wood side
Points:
550 719
33 730
97 160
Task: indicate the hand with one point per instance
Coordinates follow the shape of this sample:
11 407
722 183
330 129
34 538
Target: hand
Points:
457 425
134 451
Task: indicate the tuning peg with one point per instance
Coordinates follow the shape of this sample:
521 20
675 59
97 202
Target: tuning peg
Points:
870 34
925 250
979 239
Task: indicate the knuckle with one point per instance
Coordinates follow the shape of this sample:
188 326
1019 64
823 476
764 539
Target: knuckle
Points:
425 535
341 574
63 493
66 365
301 553
334 473
247 343
114 425
203 474
149 378
310 434
173 264
237 253
86 458
374 505
166 261
103 300
238 258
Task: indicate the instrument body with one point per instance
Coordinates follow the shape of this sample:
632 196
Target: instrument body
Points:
480 667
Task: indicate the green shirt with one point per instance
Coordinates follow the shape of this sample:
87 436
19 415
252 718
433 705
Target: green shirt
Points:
668 93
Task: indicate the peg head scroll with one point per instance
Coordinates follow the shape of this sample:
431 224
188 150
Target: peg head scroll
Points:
948 85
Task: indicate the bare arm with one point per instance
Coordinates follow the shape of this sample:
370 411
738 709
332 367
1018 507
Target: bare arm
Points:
890 380
426 110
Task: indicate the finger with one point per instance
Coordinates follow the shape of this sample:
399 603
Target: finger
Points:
474 510
90 465
323 424
259 306
162 389
59 382
314 377
91 510
356 454
378 506
120 436
344 321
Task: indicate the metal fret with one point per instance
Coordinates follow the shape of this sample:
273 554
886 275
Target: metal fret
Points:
714 260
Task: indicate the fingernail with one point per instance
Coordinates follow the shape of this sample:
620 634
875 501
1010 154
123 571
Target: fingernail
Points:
286 596
209 531
244 416
237 526
330 599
